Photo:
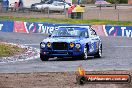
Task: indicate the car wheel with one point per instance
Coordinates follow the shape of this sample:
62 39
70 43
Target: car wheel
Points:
99 53
44 58
85 53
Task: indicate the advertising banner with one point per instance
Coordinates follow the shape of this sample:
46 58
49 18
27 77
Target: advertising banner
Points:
118 31
99 29
19 27
30 27
108 30
48 28
130 2
35 27
45 27
6 26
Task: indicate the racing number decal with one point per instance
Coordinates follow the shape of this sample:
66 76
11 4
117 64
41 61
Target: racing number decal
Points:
91 47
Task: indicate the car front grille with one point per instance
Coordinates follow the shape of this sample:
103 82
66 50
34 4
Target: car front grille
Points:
60 46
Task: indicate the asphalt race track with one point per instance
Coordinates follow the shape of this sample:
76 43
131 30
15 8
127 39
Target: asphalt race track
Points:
117 55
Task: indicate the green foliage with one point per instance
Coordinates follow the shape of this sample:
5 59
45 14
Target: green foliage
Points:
111 1
117 1
9 50
69 21
123 1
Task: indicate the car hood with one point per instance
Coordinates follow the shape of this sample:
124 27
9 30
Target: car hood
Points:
64 39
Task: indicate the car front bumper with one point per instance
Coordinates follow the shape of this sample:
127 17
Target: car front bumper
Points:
61 53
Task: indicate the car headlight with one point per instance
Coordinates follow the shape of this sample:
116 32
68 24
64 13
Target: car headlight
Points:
78 46
71 44
42 45
49 44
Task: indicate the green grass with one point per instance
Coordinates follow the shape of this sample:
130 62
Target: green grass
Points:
69 21
9 50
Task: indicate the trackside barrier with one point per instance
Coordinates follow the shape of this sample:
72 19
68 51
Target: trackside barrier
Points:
36 27
43 27
108 30
6 26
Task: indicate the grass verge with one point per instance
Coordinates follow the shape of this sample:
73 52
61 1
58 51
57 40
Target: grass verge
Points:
9 50
69 21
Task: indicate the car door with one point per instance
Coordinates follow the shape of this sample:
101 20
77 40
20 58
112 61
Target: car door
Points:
94 41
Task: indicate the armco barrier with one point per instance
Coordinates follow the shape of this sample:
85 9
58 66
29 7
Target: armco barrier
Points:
43 27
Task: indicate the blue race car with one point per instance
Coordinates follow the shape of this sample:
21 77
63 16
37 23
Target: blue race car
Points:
71 41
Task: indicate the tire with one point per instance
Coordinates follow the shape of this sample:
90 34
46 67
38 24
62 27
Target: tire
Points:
99 53
81 80
44 58
85 53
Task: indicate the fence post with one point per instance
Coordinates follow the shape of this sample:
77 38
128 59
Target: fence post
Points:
118 14
48 12
99 14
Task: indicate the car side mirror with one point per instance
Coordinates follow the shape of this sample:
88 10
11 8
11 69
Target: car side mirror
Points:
95 32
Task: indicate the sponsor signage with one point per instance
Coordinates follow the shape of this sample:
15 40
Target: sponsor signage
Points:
82 77
6 26
34 27
43 27
104 78
112 78
118 31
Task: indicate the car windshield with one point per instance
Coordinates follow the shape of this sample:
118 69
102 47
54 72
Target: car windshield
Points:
70 32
